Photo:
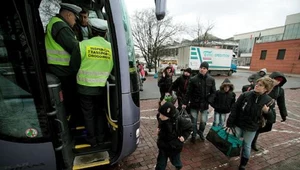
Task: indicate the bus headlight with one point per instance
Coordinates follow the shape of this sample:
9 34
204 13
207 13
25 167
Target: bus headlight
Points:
137 133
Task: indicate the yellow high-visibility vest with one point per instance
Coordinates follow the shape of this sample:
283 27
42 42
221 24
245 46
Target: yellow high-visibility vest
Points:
55 53
96 62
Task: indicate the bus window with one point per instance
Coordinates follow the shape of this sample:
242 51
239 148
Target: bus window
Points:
20 104
134 77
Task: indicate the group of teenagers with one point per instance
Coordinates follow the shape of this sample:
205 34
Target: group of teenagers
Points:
243 115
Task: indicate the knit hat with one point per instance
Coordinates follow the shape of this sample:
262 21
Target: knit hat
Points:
205 65
189 70
167 109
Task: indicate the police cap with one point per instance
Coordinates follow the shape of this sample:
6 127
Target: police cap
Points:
98 24
70 7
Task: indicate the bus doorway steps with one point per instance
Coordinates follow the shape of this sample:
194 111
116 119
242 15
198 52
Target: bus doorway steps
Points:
79 132
82 147
91 160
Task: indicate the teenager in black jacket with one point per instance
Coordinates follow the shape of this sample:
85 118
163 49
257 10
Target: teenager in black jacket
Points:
180 86
277 94
246 113
170 140
225 98
164 83
200 93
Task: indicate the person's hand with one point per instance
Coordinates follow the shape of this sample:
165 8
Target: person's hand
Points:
157 131
183 106
181 138
283 119
265 109
167 94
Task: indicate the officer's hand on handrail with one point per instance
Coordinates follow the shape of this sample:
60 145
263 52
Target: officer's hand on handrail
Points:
183 106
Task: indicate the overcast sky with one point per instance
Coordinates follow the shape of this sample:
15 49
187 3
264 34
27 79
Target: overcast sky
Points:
230 17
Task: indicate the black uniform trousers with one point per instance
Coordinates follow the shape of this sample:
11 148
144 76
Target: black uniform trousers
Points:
71 100
93 108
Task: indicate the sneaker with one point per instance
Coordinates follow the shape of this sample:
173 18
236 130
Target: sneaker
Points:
193 139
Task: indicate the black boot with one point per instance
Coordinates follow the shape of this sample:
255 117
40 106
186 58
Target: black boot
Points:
193 139
243 163
253 144
201 130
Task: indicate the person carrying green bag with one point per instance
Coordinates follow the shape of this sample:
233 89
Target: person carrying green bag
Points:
246 113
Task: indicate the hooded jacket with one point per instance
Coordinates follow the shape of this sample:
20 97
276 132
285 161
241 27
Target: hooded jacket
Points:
277 93
224 100
253 78
164 83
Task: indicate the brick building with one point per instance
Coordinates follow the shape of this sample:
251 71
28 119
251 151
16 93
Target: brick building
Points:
281 56
277 49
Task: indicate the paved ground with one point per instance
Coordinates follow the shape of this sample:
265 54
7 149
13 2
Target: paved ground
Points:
280 148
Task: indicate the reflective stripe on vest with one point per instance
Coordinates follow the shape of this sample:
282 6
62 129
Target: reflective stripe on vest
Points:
96 62
55 53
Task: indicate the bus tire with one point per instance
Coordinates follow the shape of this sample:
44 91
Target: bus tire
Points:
230 73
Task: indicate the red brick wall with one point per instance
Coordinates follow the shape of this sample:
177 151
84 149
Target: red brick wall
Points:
290 63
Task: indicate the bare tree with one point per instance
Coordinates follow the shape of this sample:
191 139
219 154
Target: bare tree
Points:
197 31
47 9
201 32
151 36
207 29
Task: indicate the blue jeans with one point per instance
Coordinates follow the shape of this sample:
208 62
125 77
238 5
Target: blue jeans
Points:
219 119
162 160
248 138
204 117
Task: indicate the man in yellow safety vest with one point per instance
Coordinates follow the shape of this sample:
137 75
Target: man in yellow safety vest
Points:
94 69
60 42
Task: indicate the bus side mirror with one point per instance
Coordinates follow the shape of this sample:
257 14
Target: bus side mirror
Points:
160 9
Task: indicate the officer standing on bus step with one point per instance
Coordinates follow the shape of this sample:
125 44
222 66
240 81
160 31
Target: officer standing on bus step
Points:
94 70
60 42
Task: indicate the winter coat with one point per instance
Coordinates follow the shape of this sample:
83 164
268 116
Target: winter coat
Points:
180 85
224 100
164 83
254 77
200 92
247 110
168 136
277 93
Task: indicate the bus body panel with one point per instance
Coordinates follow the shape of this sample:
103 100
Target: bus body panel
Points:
33 156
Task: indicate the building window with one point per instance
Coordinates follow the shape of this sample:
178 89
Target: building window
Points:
299 57
263 54
280 54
